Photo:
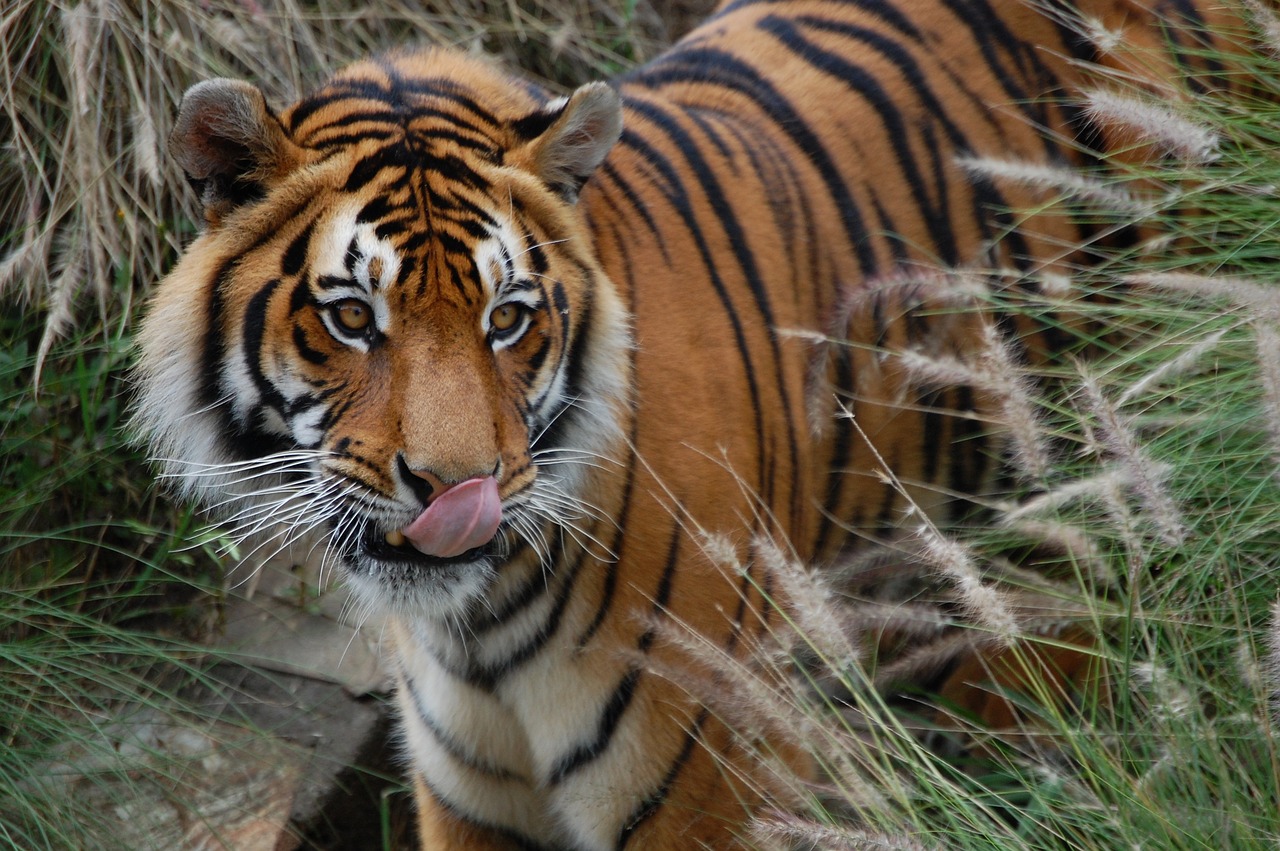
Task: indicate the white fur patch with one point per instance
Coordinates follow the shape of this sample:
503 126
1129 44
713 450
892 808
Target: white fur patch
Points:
375 268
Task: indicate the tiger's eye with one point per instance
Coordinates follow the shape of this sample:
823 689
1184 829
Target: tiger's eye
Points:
504 317
352 314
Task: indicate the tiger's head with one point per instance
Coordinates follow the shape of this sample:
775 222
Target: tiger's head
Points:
392 328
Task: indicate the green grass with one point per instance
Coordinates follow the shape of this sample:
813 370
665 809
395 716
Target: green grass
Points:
97 606
96 598
106 587
105 582
1169 470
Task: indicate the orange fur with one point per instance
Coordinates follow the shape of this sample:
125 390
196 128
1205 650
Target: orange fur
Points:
781 177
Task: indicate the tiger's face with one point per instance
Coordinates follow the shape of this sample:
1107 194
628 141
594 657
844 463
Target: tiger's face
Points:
391 337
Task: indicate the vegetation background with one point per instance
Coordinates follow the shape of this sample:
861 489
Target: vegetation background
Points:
106 588
1155 493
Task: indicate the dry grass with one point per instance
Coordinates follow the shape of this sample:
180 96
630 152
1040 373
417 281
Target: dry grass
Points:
92 213
88 196
1174 479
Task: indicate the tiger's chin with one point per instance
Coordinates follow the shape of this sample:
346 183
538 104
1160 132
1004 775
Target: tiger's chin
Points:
390 576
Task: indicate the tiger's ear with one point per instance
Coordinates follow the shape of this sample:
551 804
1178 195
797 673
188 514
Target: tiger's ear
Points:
571 137
229 144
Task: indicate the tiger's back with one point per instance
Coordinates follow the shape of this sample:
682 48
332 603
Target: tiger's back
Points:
538 384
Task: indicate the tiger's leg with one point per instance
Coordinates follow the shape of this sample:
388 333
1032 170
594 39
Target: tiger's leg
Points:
441 830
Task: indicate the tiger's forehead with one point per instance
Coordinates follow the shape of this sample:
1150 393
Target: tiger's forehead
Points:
348 249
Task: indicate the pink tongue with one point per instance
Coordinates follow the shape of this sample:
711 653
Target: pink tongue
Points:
463 517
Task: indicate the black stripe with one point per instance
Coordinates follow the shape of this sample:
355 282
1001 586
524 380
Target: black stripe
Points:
884 522
637 205
609 587
993 37
534 588
536 123
366 169
968 444
684 207
247 439
725 69
842 446
213 350
296 254
606 725
347 88
308 354
575 355
869 88
255 328
334 141
647 807
933 432
377 208
1184 31
451 746
486 676
620 700
518 841
332 282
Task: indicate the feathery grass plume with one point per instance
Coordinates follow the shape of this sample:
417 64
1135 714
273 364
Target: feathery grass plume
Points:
146 148
1092 487
923 663
946 300
789 832
1173 704
1110 486
27 261
1075 542
1056 284
941 369
1157 124
88 31
61 312
807 600
880 589
750 692
1123 522
995 372
1257 297
1267 341
1070 183
911 621
1174 368
985 603
774 683
1249 667
1119 440
948 555
1268 24
1271 665
1018 416
777 681
1104 38
747 687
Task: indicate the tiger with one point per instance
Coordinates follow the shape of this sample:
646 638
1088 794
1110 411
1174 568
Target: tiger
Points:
517 357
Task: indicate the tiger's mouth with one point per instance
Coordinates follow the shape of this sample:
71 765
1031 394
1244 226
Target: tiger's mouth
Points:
397 577
393 548
458 526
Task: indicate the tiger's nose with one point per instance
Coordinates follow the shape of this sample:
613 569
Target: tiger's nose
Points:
425 484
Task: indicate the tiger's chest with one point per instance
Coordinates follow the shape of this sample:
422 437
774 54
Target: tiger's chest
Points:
518 751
